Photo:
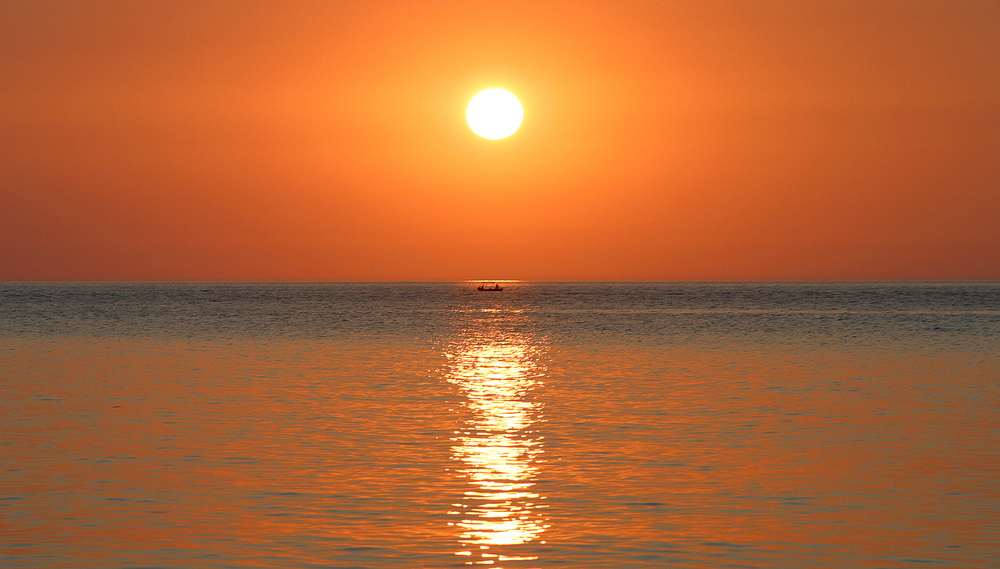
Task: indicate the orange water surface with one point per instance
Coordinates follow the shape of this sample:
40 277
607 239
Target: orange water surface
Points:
521 429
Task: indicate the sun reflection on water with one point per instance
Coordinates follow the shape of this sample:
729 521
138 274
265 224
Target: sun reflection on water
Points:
498 449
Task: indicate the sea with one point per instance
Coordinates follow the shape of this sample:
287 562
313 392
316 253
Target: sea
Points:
431 425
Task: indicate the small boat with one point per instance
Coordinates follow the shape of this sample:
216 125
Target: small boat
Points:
495 287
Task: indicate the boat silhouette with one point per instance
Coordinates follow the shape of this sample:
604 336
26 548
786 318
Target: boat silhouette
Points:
495 287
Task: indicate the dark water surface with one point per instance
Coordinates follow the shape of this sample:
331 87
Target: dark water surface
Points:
550 425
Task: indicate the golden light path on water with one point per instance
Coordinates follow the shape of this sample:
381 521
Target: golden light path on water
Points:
498 450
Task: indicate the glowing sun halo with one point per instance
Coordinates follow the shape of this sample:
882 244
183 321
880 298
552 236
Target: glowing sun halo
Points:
494 114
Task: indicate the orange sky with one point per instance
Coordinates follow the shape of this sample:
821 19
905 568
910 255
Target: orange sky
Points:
704 140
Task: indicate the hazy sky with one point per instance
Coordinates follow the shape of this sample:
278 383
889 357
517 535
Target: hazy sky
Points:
697 140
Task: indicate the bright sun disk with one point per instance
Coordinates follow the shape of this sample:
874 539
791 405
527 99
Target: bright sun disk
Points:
494 114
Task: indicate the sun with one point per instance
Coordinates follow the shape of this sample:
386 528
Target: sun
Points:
494 114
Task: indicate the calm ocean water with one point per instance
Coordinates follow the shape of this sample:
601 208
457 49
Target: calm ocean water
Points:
548 425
